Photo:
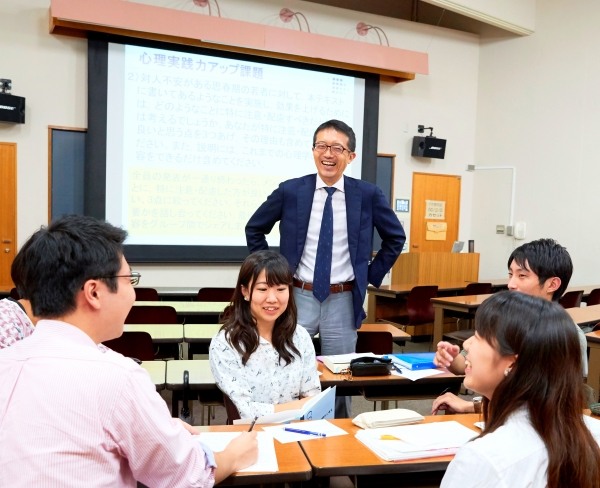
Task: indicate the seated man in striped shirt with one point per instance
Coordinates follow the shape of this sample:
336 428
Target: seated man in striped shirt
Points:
72 414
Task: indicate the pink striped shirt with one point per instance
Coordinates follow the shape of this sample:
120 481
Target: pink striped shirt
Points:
73 415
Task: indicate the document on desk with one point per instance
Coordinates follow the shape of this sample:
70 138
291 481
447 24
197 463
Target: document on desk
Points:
320 426
321 406
418 374
416 441
267 459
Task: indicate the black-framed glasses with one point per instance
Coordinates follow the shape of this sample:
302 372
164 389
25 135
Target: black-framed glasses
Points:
336 149
134 277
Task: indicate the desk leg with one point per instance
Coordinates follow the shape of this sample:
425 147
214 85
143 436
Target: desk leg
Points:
371 309
438 326
177 395
594 369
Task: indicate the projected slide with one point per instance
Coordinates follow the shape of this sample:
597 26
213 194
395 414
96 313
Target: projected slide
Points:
196 143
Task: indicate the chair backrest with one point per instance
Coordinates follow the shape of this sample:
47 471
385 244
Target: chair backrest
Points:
146 295
571 299
478 289
231 409
150 314
418 304
133 345
375 342
14 294
594 297
215 294
596 327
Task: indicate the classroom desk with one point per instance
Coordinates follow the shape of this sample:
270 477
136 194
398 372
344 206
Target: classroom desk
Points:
201 378
390 386
593 380
580 315
293 465
198 337
160 333
157 371
465 304
347 456
208 312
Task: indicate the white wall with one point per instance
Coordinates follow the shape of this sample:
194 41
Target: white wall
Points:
538 109
51 72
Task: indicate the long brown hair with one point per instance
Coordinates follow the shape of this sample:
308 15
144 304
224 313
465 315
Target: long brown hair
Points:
239 324
546 379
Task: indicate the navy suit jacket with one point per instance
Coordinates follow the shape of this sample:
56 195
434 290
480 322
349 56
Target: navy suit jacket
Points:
366 207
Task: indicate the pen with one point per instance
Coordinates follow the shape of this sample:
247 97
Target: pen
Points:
445 391
252 424
307 432
397 368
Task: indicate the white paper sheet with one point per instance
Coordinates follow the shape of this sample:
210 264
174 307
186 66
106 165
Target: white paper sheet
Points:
267 459
418 374
321 426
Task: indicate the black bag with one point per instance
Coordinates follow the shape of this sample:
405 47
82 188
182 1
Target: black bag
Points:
369 366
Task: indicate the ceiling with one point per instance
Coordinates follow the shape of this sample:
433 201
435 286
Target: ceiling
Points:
411 10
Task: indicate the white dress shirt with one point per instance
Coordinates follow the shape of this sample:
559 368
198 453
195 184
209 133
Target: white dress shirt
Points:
341 267
264 381
513 456
73 414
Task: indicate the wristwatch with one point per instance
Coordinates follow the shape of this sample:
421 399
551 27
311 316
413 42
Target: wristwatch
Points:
477 402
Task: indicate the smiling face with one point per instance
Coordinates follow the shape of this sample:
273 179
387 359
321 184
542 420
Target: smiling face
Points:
331 166
267 302
521 278
485 366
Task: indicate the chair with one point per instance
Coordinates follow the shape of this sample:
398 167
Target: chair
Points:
375 342
232 411
160 314
459 336
571 299
133 345
150 314
478 289
215 294
419 307
146 295
594 297
14 294
596 327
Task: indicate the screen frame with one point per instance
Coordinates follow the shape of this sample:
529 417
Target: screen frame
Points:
95 150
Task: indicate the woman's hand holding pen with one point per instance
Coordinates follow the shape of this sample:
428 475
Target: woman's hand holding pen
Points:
450 403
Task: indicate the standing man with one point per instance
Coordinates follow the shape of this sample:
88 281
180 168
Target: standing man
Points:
326 234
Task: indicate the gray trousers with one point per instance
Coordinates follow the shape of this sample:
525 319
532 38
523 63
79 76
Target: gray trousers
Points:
334 321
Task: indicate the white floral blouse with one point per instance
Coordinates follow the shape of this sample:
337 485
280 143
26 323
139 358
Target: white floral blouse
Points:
263 382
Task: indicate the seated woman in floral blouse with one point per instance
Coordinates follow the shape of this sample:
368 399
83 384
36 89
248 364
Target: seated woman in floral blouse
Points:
260 358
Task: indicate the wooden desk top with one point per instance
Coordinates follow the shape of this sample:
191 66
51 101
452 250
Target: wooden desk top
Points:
201 376
331 379
593 337
404 289
293 465
190 308
585 315
200 332
397 334
177 290
157 371
160 333
346 455
465 302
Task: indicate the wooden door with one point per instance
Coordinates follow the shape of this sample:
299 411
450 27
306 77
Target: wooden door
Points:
436 199
8 212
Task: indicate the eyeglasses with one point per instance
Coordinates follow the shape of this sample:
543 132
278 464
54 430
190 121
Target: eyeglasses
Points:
335 148
134 277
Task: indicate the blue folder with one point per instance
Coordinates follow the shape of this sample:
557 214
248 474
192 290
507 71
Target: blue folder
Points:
414 361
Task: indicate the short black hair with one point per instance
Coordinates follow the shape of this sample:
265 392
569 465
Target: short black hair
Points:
339 126
57 260
547 259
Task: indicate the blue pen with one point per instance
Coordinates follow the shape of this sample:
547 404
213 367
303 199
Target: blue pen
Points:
307 432
397 368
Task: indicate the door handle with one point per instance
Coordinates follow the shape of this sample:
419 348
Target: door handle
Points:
6 241
415 245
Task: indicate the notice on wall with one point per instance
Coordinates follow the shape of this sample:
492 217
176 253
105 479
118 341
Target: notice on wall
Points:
435 210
